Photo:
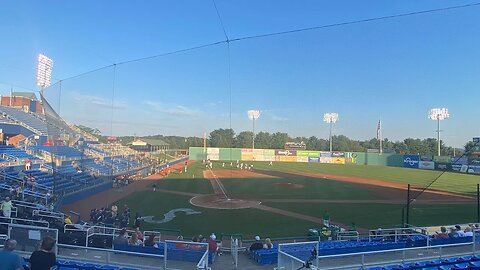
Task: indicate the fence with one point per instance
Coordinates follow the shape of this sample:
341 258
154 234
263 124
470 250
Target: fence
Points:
29 237
294 256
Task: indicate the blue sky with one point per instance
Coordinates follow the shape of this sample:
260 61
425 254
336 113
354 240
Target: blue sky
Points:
394 70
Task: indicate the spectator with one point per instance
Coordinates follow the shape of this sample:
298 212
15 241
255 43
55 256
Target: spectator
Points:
67 220
139 234
43 259
213 246
7 207
452 233
459 231
134 241
257 244
151 241
138 219
10 260
468 232
201 239
326 218
268 244
442 235
121 239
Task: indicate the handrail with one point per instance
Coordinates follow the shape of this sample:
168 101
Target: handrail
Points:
24 220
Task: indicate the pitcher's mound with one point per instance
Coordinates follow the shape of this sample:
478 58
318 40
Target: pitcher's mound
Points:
217 201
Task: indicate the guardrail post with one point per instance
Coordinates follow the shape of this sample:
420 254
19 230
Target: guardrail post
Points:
363 261
403 256
165 256
316 256
440 251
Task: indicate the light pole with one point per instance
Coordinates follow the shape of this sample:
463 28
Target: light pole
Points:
438 114
252 115
44 71
330 118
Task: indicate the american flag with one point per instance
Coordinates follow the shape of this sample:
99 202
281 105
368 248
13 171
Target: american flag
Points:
379 127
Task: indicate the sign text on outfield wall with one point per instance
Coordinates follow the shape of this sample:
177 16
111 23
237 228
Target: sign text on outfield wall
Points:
411 161
279 152
426 165
306 153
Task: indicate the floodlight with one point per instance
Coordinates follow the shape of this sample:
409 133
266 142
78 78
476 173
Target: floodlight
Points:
330 118
253 115
438 114
44 71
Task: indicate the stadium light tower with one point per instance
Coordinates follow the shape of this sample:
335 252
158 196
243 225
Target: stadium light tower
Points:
253 115
44 71
438 114
330 118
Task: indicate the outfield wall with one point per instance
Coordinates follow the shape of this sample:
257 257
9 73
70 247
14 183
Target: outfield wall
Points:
442 163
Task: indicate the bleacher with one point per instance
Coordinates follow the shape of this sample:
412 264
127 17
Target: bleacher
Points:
30 120
79 176
12 153
63 151
455 263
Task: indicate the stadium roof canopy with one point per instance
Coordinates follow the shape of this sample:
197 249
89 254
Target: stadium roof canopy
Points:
151 142
29 95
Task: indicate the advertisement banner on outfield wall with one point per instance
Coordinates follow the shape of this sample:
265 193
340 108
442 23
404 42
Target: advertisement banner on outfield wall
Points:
259 152
445 166
457 167
314 159
338 160
287 158
426 158
269 158
475 169
215 151
325 154
459 160
325 160
348 155
288 153
474 161
247 151
442 159
268 152
213 156
302 159
411 161
258 157
306 153
338 154
426 165
349 160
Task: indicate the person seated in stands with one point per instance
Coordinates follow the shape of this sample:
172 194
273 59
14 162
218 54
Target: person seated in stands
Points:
21 175
201 239
268 243
459 231
257 244
442 234
45 257
194 238
10 260
452 233
139 234
213 246
151 241
137 221
468 232
121 239
67 220
134 241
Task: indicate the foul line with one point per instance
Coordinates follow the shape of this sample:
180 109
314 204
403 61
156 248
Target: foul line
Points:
219 184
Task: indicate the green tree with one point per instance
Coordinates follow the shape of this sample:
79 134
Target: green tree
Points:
244 139
279 139
263 140
222 138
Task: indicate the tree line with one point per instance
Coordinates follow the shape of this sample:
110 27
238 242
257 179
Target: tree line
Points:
228 138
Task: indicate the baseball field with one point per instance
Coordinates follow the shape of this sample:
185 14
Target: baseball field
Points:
286 199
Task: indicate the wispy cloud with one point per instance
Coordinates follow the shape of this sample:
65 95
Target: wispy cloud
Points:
99 101
172 109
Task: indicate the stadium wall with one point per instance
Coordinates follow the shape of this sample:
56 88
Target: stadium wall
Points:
462 164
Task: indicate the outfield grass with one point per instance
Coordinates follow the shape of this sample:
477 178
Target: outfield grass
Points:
448 181
248 222
192 181
372 216
268 188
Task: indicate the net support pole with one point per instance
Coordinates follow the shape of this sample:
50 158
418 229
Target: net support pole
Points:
408 205
478 203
